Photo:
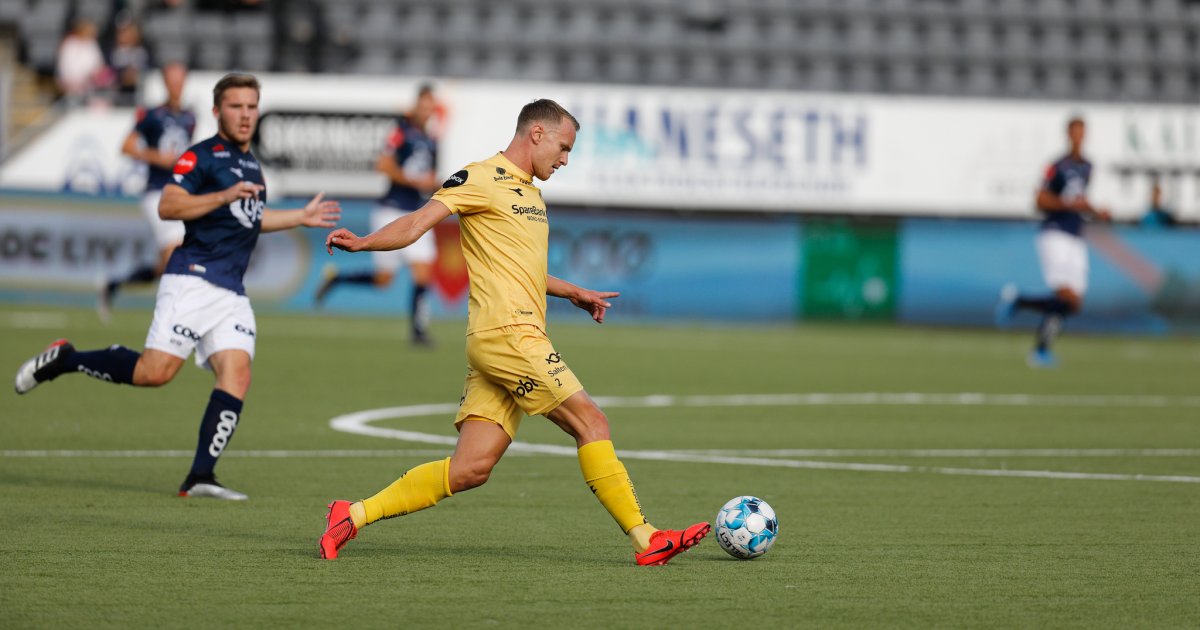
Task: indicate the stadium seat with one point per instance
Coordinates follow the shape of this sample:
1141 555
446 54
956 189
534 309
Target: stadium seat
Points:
208 28
254 55
375 61
583 66
460 62
168 51
705 70
744 71
212 57
416 62
624 67
11 11
377 27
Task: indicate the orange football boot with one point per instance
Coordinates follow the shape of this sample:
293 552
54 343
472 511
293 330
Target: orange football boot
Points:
668 543
339 529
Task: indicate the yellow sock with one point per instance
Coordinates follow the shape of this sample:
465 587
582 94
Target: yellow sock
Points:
609 481
419 488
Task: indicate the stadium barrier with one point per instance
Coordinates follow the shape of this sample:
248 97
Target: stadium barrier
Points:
682 149
727 268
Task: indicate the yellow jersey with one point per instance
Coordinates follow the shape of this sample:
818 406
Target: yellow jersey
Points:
505 233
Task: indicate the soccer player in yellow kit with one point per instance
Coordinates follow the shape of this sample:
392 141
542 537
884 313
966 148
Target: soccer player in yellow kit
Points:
513 369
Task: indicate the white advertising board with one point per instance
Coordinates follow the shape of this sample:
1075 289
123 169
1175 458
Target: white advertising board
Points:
687 149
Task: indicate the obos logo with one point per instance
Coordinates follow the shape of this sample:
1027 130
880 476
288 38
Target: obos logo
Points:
186 163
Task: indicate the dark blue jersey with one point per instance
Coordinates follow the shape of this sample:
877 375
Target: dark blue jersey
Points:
415 153
217 246
169 132
1068 179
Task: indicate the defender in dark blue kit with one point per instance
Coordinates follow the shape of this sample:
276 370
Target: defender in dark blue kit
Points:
160 136
410 162
217 190
1061 248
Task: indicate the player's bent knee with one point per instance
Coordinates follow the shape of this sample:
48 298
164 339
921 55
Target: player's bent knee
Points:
467 475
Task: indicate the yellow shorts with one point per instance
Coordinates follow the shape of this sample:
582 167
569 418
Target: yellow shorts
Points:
513 371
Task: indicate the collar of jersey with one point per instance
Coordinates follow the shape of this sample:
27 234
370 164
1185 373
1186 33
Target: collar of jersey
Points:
509 166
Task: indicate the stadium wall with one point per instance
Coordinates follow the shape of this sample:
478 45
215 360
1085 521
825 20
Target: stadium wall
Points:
683 149
726 268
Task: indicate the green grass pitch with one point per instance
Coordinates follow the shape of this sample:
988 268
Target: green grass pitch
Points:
94 539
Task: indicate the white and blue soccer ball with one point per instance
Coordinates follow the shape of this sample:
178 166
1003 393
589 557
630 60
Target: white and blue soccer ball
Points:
746 527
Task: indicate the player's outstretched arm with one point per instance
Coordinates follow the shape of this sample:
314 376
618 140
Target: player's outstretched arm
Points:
134 148
396 235
318 213
594 302
179 204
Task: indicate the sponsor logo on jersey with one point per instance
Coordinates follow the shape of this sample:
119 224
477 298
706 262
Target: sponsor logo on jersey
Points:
518 191
554 357
220 151
247 211
457 179
185 164
243 329
238 172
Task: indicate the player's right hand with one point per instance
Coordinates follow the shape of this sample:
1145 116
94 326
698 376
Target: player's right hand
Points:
342 239
242 190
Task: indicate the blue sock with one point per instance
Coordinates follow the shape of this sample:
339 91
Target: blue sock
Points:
355 277
420 311
1048 330
113 364
216 430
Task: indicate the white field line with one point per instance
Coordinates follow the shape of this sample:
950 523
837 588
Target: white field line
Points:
927 453
360 423
949 452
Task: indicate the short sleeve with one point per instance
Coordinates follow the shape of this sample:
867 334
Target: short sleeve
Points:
1054 180
142 123
188 173
464 192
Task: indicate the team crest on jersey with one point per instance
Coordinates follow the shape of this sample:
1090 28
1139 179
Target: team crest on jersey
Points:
457 179
185 164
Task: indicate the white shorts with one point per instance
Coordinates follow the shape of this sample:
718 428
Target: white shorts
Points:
1064 260
422 251
166 233
193 314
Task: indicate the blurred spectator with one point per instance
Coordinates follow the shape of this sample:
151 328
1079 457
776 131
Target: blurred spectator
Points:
129 60
1157 215
81 67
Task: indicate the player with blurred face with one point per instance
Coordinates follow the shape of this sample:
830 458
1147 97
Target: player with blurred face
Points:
409 162
158 139
1061 248
218 192
512 368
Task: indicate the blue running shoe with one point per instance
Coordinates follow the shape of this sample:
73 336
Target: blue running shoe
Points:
1041 360
1006 308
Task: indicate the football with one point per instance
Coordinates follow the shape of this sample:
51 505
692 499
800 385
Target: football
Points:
746 527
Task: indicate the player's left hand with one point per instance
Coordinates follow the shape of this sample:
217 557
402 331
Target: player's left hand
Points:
320 213
342 239
594 302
